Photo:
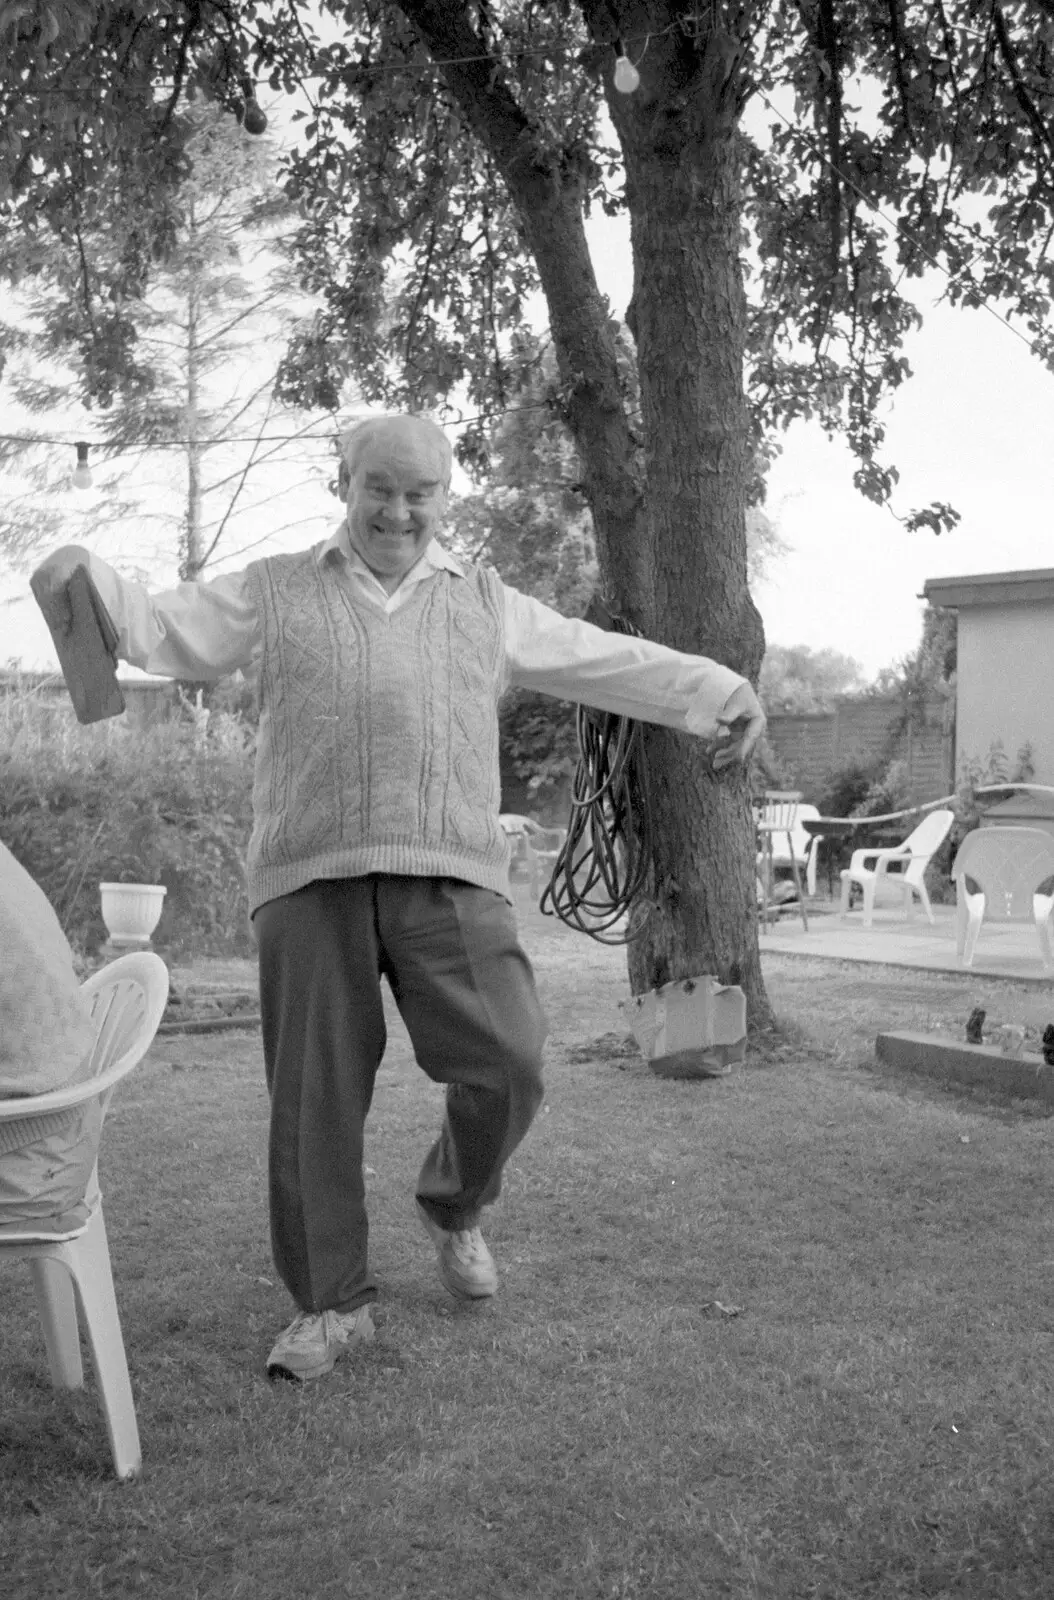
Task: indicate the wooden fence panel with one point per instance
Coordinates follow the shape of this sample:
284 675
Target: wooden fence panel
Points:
810 747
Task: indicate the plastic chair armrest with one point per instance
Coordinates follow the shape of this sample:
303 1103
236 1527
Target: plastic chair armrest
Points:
17 1107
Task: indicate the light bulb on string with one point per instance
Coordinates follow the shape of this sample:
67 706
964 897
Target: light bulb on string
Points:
627 78
82 478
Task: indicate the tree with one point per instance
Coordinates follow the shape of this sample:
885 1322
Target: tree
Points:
796 679
924 682
931 667
193 364
446 166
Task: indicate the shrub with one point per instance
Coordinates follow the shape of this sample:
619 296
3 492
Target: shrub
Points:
539 741
846 786
890 792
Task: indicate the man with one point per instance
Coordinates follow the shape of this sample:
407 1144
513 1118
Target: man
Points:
46 1037
376 847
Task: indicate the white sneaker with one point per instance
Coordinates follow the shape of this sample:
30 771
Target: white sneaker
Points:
313 1340
466 1266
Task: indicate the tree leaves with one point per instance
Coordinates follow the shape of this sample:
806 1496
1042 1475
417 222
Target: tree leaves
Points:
411 239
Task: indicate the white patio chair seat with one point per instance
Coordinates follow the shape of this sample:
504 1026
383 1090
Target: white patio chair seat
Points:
127 999
999 874
901 868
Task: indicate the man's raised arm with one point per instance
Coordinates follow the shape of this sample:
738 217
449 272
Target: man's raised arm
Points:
195 630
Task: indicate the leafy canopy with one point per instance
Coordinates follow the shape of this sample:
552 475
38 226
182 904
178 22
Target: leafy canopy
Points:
941 116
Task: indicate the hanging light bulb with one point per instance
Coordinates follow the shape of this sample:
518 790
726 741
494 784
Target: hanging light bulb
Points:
627 78
82 478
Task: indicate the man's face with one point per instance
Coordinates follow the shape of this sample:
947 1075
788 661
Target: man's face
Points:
396 497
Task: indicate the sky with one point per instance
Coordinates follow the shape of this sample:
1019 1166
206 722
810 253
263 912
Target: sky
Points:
973 426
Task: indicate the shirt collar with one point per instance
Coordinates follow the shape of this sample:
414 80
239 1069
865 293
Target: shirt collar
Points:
435 558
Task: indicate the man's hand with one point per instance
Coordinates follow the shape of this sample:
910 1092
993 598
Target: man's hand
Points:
741 723
51 577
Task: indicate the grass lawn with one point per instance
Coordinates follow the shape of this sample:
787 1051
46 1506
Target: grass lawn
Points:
790 1333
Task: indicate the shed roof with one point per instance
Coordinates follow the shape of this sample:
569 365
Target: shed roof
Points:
990 589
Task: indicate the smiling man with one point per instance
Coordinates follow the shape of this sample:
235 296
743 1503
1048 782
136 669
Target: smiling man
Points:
377 851
394 477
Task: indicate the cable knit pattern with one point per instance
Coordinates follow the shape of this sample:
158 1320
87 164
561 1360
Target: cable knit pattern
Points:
378 741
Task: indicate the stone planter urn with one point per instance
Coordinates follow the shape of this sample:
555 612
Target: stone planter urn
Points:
131 912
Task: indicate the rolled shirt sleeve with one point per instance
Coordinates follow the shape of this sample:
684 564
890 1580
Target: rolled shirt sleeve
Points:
196 630
616 672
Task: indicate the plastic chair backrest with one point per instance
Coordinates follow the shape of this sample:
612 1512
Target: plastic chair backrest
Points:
803 842
1008 865
780 810
126 1000
924 842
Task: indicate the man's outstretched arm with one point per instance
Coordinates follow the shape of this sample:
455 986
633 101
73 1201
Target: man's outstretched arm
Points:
631 677
195 630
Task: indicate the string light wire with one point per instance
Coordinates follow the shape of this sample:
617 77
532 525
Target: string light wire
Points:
115 447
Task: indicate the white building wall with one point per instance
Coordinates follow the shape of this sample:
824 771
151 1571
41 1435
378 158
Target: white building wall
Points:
1006 682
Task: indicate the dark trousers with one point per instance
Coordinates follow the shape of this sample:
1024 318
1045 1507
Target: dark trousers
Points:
465 990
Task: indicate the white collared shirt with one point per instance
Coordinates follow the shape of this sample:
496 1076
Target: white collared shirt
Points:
206 630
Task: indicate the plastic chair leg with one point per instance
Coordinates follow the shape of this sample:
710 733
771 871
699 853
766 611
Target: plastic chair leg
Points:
796 875
846 891
98 1304
972 932
1043 934
765 877
58 1317
869 899
923 895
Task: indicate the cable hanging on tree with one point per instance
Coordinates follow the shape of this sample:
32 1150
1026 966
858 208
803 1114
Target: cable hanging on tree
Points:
601 869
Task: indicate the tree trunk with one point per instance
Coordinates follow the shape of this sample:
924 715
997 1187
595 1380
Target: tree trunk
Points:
192 553
688 318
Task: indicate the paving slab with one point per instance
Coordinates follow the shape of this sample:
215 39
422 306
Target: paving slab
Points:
1004 950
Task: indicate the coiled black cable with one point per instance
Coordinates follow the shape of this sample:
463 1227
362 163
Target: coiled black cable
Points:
602 867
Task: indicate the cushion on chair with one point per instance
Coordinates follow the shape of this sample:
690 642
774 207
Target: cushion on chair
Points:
46 1038
45 1026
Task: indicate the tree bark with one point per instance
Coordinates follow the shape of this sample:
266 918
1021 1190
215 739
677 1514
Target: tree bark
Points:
689 321
192 555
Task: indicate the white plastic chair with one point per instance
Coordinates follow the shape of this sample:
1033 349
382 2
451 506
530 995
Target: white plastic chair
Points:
913 856
543 848
998 873
70 1269
533 846
798 847
778 820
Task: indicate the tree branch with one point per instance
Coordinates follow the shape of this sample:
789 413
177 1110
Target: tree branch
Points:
1024 99
898 63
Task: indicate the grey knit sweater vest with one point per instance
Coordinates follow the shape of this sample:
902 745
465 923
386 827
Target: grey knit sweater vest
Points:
377 748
